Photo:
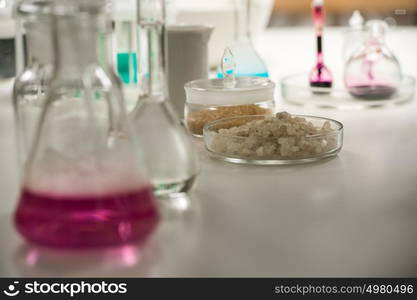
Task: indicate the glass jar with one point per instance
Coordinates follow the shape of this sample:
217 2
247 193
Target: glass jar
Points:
213 99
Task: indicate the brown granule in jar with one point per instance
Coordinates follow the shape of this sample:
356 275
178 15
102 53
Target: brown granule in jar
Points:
280 136
197 119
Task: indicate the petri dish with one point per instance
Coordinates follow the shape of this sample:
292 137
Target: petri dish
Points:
295 89
243 150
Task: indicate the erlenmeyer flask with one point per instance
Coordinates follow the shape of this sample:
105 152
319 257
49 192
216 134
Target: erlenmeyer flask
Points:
82 185
166 144
248 61
30 85
373 72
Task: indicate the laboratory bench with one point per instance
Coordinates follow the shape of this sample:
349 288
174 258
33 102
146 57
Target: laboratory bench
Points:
353 215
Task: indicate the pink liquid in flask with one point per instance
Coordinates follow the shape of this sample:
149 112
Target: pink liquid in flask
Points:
79 221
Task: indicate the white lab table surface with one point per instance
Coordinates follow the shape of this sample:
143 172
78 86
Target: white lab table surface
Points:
354 215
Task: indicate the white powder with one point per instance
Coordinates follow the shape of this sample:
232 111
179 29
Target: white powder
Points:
280 136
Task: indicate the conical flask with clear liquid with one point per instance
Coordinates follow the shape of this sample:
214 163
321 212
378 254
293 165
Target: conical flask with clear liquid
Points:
248 61
168 148
84 183
30 85
373 72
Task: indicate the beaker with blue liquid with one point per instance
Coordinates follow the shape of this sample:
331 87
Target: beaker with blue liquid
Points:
248 62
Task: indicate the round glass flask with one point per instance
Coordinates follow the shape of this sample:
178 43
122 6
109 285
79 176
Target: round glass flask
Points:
84 183
373 72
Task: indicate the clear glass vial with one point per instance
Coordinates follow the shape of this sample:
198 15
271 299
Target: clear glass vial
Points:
30 85
373 72
84 183
167 146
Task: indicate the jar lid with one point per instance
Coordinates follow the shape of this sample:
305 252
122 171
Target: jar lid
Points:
245 90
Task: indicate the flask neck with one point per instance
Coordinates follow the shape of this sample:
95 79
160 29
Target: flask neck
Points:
152 40
79 42
39 40
242 26
319 16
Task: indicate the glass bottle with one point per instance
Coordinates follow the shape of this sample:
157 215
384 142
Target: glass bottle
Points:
167 146
30 85
84 183
373 72
248 61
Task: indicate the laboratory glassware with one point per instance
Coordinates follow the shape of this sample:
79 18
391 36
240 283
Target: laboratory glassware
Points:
373 72
167 146
354 35
213 99
320 76
30 85
84 183
248 61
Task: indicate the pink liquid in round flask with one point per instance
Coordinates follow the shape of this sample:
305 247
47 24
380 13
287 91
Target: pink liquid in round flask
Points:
372 72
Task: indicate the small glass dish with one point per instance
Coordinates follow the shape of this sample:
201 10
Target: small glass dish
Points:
295 89
241 149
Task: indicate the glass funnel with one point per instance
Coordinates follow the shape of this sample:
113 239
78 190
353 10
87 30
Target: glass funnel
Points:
168 148
30 85
373 72
84 183
248 61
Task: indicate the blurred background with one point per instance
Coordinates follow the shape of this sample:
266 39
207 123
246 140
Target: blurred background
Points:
297 12
276 14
